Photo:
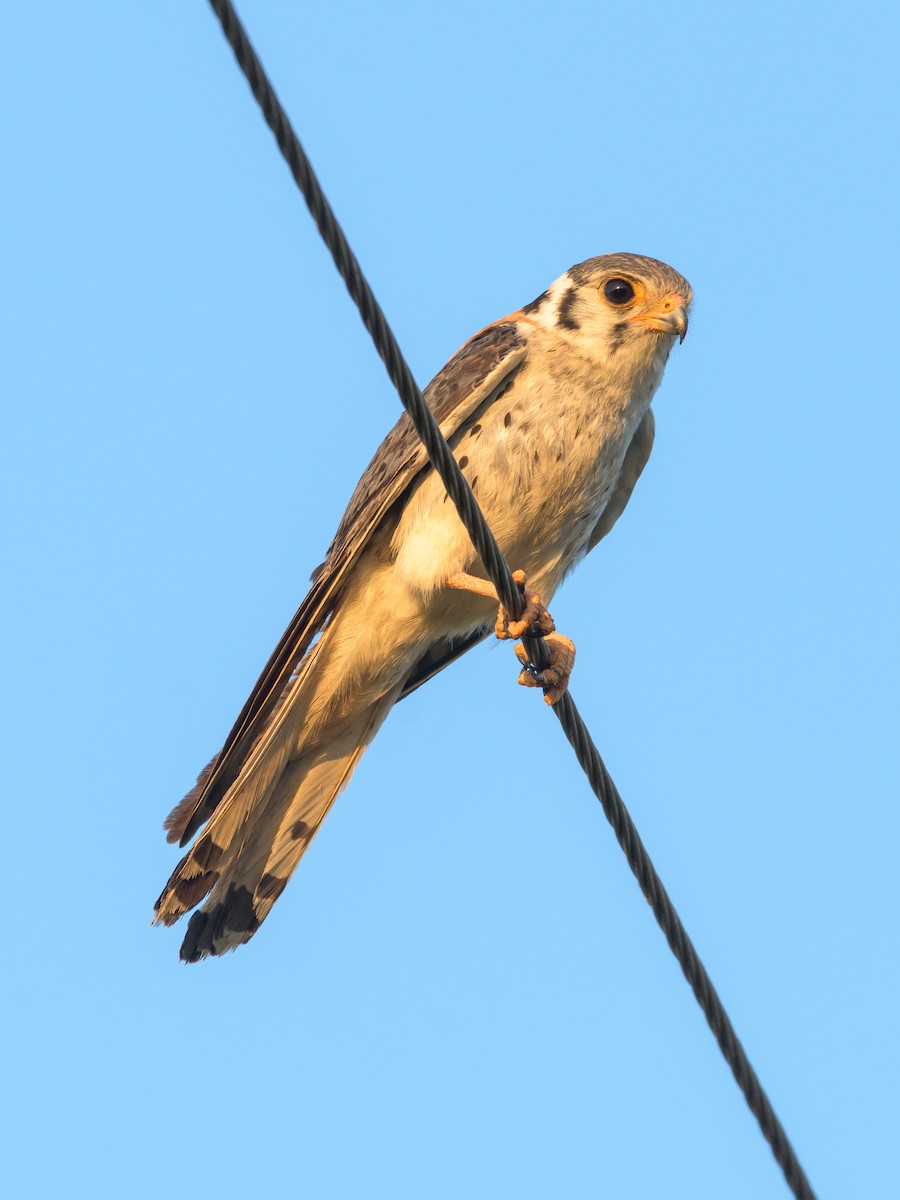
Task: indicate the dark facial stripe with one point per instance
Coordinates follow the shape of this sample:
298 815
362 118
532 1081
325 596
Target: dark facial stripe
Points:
619 330
566 306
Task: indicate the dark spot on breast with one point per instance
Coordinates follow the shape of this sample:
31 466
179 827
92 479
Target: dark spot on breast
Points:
565 315
300 829
473 483
474 431
534 305
507 420
535 456
560 455
464 462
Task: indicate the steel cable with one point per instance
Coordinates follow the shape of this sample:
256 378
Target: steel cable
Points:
500 574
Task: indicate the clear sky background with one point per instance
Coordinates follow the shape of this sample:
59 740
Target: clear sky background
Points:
462 992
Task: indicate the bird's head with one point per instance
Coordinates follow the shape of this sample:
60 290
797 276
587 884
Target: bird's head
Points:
617 308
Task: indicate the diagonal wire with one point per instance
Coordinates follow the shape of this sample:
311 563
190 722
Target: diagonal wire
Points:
500 574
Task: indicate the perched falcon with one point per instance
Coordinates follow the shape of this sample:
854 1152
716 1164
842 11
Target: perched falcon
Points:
548 414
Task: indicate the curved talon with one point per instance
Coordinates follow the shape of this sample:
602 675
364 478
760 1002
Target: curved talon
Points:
554 678
535 620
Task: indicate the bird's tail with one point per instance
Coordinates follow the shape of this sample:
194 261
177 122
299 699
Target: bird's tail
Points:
242 861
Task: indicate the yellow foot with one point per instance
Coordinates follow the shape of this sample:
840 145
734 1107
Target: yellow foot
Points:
535 620
554 678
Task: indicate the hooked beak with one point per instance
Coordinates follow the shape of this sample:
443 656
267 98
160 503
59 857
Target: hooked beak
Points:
671 318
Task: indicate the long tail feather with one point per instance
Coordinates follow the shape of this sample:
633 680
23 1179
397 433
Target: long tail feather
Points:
274 686
203 865
242 895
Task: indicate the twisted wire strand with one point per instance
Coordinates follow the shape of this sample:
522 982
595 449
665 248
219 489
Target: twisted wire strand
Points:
370 310
500 574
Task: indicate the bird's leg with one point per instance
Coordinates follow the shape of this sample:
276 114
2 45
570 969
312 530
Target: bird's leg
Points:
534 622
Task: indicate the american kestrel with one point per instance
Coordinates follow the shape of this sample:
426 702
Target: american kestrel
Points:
548 415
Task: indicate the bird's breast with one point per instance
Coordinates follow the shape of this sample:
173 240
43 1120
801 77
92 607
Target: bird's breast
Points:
542 461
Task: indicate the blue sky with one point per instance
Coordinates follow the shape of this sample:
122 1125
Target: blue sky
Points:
462 992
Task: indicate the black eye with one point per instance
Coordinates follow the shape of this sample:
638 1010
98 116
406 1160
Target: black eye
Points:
618 291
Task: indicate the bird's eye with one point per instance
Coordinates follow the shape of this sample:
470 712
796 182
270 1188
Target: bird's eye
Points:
618 291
